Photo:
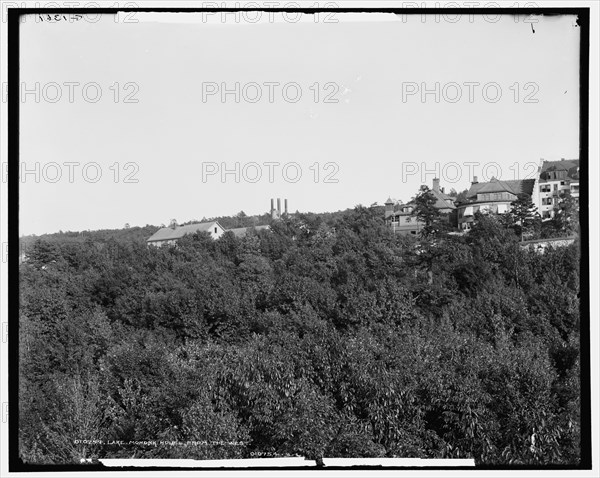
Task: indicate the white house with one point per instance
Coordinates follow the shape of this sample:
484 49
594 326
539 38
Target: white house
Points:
170 235
557 178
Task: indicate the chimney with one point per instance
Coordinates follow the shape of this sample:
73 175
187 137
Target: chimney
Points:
474 180
278 207
285 210
436 184
272 208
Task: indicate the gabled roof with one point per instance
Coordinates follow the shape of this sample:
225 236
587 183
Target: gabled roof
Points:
514 186
496 186
168 233
571 166
241 231
441 200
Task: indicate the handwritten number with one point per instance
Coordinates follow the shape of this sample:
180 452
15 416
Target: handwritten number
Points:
57 17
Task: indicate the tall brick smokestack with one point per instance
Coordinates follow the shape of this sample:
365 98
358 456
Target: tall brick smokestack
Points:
272 208
278 207
285 210
436 184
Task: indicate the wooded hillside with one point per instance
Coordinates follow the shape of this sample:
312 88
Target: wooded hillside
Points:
326 336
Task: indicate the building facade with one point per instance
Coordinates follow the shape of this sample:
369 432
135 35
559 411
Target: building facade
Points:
399 216
556 179
493 197
170 235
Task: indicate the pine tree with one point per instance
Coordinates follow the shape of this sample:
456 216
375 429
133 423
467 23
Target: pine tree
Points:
566 215
434 222
523 215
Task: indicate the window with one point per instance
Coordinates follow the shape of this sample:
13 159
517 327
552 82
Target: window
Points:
545 188
413 232
215 230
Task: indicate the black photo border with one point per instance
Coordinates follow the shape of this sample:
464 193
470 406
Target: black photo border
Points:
583 16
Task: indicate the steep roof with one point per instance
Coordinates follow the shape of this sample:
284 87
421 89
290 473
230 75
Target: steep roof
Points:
441 200
168 233
571 166
513 186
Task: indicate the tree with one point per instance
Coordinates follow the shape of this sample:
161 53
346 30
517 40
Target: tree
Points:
458 196
327 335
434 222
241 219
524 216
566 215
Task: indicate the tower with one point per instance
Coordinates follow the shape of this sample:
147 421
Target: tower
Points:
389 208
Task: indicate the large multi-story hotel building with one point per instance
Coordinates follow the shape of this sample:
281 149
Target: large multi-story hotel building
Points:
556 179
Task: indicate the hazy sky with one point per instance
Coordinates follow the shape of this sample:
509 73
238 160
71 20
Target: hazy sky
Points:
374 66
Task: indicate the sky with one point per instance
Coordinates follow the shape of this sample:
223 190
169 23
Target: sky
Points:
128 124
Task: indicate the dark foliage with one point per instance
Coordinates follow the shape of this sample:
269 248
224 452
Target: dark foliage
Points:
326 336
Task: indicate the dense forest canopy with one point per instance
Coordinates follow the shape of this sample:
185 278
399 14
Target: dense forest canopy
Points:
327 335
